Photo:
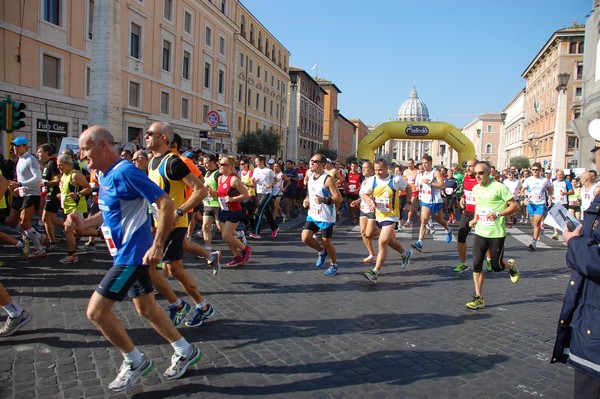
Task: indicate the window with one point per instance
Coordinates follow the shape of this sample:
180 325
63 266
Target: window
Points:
249 98
185 73
88 80
488 149
266 77
257 101
134 46
241 60
250 66
240 92
578 92
223 6
168 9
164 102
166 56
208 37
185 108
489 128
187 22
51 72
572 143
579 72
222 45
134 94
52 11
207 75
265 104
90 18
221 82
204 112
258 71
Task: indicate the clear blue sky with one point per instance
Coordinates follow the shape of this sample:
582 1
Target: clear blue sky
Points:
465 57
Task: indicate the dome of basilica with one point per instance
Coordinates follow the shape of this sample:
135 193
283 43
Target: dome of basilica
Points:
413 109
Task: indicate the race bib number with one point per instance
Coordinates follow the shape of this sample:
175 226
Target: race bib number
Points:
382 204
536 198
469 198
364 207
21 191
449 190
110 243
62 200
482 216
314 210
223 204
352 188
425 193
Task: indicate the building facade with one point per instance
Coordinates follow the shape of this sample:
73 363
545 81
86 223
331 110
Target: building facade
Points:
512 131
484 133
126 64
553 98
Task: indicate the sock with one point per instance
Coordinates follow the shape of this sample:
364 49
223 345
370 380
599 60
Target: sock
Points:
19 244
182 347
375 271
202 304
177 303
33 237
21 231
134 357
405 253
13 309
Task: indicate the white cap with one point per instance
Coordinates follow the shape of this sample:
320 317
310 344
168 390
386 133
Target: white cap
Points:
271 161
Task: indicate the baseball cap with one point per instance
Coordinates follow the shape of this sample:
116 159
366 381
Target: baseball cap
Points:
271 161
20 141
329 160
596 146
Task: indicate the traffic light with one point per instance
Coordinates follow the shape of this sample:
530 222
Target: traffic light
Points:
2 115
16 116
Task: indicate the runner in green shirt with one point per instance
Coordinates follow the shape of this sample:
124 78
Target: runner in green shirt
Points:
493 201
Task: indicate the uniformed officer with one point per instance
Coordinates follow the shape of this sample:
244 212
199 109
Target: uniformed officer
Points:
578 339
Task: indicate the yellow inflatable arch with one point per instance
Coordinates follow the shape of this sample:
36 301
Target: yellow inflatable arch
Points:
417 131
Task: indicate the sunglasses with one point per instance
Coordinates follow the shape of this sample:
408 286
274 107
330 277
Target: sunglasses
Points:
137 159
315 161
150 133
535 170
224 164
481 173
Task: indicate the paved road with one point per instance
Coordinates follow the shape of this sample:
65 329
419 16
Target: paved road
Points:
284 330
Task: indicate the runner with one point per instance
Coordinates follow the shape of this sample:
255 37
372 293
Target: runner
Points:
210 220
289 194
321 201
537 188
430 183
353 181
410 175
123 196
493 202
263 179
514 186
248 205
169 172
385 203
467 204
589 189
50 186
449 193
367 217
561 190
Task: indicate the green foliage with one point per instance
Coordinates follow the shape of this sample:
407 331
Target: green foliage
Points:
351 159
262 141
329 153
520 162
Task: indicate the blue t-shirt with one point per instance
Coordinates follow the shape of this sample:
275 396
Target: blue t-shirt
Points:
123 198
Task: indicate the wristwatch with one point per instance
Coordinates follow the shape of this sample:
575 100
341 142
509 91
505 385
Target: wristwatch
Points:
179 212
498 214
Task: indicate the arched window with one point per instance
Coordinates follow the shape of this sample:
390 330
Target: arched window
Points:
259 44
488 149
243 26
252 33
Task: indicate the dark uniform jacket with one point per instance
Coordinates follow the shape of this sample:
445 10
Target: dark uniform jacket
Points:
578 335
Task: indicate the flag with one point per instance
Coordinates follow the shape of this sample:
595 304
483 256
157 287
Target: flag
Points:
536 106
315 66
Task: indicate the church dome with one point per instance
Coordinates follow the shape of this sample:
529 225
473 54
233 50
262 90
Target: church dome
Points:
413 109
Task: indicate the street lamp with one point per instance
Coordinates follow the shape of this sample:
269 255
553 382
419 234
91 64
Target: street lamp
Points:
563 79
292 145
559 141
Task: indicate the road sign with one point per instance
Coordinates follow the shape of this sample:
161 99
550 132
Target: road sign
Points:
212 118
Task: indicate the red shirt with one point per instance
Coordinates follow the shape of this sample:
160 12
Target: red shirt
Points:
301 173
224 190
353 182
468 183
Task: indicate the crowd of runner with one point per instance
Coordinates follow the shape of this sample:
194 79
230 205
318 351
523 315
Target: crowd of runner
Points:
71 196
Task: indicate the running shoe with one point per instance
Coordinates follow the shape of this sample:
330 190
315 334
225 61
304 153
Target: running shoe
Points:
89 246
399 228
418 245
200 315
179 364
555 236
37 254
406 259
25 249
476 303
431 231
69 259
331 270
237 261
242 237
371 275
52 247
247 254
532 245
128 375
284 218
488 265
255 236
369 258
449 236
274 232
514 272
460 268
407 224
214 259
178 314
321 258
509 225
13 324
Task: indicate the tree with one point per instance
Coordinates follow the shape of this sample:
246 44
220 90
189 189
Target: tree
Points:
520 162
350 159
262 141
249 143
329 153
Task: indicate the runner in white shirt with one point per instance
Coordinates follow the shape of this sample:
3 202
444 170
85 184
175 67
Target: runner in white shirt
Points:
538 189
264 179
561 189
514 186
589 189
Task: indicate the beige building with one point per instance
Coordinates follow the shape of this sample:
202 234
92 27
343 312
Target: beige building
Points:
484 133
553 98
512 131
167 60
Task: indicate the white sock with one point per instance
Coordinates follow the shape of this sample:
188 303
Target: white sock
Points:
13 309
177 303
182 347
134 357
34 238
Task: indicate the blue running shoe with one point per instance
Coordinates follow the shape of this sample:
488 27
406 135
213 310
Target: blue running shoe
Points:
418 245
199 316
178 314
321 259
332 270
406 259
449 235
